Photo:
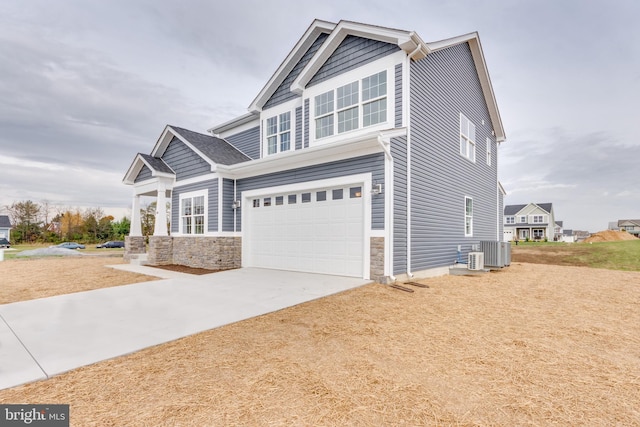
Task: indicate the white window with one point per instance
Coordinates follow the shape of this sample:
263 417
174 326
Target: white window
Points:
510 220
467 138
488 152
537 219
193 212
468 216
352 106
523 219
278 132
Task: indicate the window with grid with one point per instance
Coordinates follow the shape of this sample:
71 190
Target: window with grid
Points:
192 213
468 216
467 138
355 105
278 132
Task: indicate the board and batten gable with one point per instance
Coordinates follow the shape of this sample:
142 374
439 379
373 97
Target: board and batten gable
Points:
443 85
211 187
373 163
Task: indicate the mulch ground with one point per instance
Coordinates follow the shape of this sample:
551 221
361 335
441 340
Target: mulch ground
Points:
528 345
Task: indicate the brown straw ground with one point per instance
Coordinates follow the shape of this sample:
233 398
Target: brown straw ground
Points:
530 345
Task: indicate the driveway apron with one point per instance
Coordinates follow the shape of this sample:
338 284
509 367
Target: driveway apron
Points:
44 337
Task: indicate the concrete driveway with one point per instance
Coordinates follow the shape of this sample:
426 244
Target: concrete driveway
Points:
44 337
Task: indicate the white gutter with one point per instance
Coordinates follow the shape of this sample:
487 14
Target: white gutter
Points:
388 208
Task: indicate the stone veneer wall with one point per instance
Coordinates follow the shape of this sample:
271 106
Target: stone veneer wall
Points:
160 250
376 270
133 246
214 253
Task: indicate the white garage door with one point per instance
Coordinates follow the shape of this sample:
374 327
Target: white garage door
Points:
319 231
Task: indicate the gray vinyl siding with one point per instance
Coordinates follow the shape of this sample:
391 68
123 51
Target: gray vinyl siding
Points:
306 123
144 174
226 205
399 154
184 161
283 93
443 85
212 205
298 128
352 53
373 163
248 142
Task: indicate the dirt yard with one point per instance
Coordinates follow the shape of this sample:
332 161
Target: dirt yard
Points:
529 345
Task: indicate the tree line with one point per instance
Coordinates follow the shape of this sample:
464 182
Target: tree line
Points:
41 222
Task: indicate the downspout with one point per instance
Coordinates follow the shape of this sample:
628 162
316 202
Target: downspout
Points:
235 211
386 147
408 125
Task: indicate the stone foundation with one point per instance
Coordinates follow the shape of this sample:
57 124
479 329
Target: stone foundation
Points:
160 250
133 246
376 269
213 253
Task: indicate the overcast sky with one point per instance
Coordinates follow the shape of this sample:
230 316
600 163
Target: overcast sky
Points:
85 85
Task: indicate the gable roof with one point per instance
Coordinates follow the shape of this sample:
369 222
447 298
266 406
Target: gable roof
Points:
409 41
214 151
217 150
5 222
514 209
623 222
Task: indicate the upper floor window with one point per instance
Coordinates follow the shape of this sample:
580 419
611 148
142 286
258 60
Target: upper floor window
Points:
467 138
468 216
510 220
192 213
523 219
352 106
278 131
488 152
538 219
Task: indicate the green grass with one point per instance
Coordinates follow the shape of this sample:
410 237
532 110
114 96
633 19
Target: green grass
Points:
621 255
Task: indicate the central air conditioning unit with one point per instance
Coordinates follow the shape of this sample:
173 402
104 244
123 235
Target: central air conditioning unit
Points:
476 261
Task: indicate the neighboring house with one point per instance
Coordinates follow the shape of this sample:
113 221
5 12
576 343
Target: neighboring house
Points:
533 221
5 228
369 153
558 231
630 226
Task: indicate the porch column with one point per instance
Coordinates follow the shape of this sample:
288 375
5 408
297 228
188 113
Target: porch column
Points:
161 211
136 227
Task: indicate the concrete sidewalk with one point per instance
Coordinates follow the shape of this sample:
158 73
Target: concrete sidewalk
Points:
44 337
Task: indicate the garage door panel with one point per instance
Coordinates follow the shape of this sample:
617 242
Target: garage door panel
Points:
323 235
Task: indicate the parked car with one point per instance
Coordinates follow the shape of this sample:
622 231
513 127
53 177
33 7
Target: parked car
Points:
4 243
69 245
114 244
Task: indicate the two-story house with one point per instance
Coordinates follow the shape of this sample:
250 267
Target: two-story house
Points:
631 226
533 221
368 153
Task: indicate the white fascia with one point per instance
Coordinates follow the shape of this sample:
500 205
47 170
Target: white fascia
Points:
237 125
165 139
343 149
316 28
407 41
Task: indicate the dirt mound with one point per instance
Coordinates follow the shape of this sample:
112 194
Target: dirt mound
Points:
609 236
